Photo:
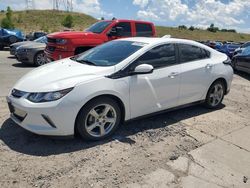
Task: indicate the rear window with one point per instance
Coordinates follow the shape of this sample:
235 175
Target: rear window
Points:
191 53
143 30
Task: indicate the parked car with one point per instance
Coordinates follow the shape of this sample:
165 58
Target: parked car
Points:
92 93
241 61
8 37
16 45
241 48
35 35
229 49
32 53
65 44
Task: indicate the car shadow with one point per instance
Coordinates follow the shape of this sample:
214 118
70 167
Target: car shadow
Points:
11 57
243 75
20 140
21 65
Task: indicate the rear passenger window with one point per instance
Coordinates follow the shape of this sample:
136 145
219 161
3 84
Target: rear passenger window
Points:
143 30
191 53
160 56
126 29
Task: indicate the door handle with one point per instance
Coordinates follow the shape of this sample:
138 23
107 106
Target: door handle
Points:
173 74
209 66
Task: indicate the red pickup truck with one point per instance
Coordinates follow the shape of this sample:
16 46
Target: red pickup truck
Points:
65 44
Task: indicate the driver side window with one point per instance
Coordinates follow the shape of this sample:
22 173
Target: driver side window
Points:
158 57
125 29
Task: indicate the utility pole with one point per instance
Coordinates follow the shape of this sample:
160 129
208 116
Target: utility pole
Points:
56 4
30 5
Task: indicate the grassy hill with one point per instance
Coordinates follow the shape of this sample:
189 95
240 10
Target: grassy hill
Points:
50 21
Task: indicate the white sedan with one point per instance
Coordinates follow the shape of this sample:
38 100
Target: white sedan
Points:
94 92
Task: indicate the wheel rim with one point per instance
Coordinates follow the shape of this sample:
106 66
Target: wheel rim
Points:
216 95
100 120
41 59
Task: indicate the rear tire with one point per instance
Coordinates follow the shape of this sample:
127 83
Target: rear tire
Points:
98 119
1 47
215 95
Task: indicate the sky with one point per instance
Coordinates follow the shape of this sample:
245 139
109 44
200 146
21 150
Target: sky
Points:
229 14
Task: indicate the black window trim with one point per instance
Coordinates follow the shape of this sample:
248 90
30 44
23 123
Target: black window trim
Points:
206 51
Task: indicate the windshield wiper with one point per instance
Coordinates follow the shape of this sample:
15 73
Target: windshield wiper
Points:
84 61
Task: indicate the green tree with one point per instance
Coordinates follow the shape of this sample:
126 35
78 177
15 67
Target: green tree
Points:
182 27
68 21
212 28
191 28
7 22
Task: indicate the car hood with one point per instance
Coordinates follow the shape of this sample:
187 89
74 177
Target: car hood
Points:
17 44
74 34
33 45
60 75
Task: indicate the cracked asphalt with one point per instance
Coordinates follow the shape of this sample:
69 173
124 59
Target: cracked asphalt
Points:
190 147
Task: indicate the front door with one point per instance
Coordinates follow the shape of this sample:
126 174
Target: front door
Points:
158 90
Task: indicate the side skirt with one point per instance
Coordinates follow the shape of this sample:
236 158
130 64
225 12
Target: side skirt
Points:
167 110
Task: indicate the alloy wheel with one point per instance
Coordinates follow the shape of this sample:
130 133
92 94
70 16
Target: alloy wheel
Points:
41 59
216 94
100 120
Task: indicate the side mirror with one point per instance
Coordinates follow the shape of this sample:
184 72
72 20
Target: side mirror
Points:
143 69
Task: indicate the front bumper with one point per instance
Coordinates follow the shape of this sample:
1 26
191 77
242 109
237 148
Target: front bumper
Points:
12 50
24 57
55 118
57 55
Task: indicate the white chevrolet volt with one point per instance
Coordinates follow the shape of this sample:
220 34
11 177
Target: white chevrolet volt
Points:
94 92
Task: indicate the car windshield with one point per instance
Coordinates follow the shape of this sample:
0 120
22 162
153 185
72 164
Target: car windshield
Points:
41 39
246 45
109 54
99 27
246 51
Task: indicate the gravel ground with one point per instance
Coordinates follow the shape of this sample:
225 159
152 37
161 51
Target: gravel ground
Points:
137 152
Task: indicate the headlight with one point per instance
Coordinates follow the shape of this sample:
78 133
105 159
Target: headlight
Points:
61 41
48 96
23 50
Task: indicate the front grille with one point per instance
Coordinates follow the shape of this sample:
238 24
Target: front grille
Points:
17 93
51 40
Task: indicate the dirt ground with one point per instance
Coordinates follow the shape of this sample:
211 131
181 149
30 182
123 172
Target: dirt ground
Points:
135 156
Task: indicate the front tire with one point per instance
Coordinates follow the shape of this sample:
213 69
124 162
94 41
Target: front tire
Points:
215 95
98 119
40 59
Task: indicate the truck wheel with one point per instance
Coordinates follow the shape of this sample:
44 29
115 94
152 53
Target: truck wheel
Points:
1 47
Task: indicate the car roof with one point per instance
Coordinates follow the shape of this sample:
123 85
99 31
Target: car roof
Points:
124 20
156 40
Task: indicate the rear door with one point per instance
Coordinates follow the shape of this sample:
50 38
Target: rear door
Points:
243 63
196 73
144 29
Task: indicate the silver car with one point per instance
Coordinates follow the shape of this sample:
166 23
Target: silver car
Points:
14 46
32 53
